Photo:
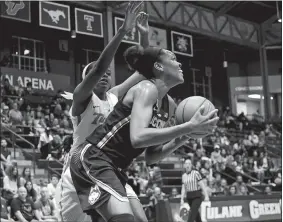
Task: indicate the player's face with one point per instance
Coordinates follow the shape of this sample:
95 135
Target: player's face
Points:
171 67
104 83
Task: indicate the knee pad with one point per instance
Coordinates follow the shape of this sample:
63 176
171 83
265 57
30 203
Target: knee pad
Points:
122 218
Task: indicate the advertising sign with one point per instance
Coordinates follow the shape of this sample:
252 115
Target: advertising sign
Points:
88 22
18 10
44 82
238 210
54 15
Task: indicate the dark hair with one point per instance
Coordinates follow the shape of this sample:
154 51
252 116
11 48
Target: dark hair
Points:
31 193
54 175
24 174
142 60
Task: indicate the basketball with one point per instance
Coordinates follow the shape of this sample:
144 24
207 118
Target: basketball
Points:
188 107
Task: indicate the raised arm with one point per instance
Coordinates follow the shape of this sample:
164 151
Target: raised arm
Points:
84 90
143 27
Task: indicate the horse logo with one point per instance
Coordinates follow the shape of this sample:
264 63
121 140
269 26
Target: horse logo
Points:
14 6
55 15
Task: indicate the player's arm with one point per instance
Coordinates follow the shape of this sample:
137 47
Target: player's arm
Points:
145 96
83 91
143 27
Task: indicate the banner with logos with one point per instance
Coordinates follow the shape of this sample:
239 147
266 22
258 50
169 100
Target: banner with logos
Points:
157 37
88 22
44 82
18 10
182 44
54 15
133 37
237 210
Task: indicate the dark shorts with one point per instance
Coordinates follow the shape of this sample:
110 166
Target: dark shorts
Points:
96 178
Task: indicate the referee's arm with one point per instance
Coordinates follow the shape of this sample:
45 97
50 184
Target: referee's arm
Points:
183 191
202 186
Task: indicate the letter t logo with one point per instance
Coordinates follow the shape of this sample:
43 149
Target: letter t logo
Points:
89 19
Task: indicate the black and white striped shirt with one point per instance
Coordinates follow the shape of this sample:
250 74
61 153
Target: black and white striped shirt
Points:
190 181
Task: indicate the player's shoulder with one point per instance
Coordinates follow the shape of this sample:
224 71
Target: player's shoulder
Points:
146 87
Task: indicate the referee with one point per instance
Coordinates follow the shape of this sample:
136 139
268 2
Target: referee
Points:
192 189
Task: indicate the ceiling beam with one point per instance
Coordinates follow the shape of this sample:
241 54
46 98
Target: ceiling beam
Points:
226 8
263 4
268 23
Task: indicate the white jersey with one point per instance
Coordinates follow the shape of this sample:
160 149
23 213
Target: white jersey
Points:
94 115
69 208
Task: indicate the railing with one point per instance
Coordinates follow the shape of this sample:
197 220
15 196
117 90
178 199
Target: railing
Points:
15 135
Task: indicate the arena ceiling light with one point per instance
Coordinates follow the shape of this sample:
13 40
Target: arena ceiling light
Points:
254 96
26 52
278 14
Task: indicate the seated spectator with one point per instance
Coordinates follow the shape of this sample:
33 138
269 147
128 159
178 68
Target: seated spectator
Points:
8 88
5 153
198 165
46 207
11 180
243 191
278 179
28 90
134 181
217 180
247 142
31 193
26 176
5 115
19 90
239 182
223 187
210 187
4 212
259 170
157 196
67 111
216 156
267 190
23 209
253 138
174 193
155 176
52 186
224 140
45 144
232 191
261 139
15 115
198 154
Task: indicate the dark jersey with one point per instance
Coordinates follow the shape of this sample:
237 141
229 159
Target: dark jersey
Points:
113 137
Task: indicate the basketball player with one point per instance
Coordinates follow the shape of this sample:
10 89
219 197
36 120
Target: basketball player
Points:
134 126
91 104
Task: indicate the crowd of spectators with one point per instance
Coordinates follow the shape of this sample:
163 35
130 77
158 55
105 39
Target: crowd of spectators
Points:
49 122
23 200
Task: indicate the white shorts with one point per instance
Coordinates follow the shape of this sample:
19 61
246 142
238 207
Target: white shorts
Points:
67 201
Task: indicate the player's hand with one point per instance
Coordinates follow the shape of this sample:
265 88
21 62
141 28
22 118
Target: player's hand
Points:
203 123
182 201
132 11
142 23
206 198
